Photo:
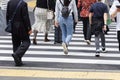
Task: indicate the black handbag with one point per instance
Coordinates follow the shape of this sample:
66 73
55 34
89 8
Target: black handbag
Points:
9 27
9 24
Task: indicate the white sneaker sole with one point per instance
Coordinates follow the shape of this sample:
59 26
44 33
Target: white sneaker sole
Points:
65 49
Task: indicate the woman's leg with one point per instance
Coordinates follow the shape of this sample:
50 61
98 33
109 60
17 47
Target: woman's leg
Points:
46 37
69 28
35 35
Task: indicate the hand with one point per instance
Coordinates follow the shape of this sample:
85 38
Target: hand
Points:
105 28
56 23
30 32
118 9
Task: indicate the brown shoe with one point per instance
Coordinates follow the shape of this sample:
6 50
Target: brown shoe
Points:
34 42
46 40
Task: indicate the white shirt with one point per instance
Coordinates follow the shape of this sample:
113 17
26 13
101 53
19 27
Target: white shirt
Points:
72 7
112 10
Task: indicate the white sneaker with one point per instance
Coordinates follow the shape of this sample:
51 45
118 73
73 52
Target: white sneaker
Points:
65 49
97 54
103 50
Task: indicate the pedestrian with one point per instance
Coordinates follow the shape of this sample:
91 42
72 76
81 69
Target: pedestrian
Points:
98 20
41 22
21 29
2 20
115 12
65 22
84 6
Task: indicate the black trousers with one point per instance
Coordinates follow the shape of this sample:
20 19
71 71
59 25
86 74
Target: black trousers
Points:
20 46
118 37
85 26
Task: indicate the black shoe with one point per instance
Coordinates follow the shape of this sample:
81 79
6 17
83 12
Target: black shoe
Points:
97 54
103 50
34 42
17 60
19 64
57 42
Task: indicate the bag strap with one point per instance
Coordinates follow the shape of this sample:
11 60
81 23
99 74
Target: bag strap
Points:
63 4
16 10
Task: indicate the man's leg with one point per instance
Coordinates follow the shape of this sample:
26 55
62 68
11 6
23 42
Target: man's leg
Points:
118 37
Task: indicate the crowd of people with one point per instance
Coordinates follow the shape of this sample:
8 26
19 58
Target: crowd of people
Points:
93 13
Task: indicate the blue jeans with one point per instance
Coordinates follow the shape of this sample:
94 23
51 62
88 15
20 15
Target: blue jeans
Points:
66 26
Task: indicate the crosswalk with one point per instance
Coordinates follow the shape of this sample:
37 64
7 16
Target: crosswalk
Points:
80 56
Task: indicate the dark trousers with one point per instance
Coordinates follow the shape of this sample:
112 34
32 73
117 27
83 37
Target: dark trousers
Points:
118 37
89 33
74 23
20 46
58 35
85 26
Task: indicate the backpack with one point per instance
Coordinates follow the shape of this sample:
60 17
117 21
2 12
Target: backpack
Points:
65 10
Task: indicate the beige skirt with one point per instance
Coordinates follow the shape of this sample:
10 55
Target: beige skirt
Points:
40 23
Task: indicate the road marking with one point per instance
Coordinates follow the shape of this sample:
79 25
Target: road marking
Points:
60 74
65 60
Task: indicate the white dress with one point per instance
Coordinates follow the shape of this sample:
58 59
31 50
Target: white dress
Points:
41 22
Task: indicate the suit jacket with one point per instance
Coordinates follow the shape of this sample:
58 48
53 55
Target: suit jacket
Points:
21 23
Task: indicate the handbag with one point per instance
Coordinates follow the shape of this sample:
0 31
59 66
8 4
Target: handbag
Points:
9 27
9 24
50 13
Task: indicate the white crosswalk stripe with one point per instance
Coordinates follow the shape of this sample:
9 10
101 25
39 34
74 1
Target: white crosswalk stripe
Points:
50 52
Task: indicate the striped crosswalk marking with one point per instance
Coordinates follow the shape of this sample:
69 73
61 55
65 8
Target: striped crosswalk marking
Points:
79 51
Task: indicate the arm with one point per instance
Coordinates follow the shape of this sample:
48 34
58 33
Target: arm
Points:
113 8
115 13
56 13
90 17
105 21
105 18
26 18
75 11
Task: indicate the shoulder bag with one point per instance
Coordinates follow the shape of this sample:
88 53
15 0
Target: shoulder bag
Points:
9 24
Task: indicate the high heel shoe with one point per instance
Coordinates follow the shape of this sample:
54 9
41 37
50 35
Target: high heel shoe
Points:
46 40
34 41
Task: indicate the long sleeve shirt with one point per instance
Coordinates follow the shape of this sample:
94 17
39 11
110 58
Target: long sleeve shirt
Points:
72 7
85 6
112 10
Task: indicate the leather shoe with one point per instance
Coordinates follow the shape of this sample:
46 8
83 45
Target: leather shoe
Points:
17 60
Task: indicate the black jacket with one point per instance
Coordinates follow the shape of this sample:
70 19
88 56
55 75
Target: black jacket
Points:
21 23
43 4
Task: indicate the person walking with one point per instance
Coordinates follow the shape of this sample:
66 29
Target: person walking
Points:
2 20
115 12
66 23
21 29
41 22
98 20
84 5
